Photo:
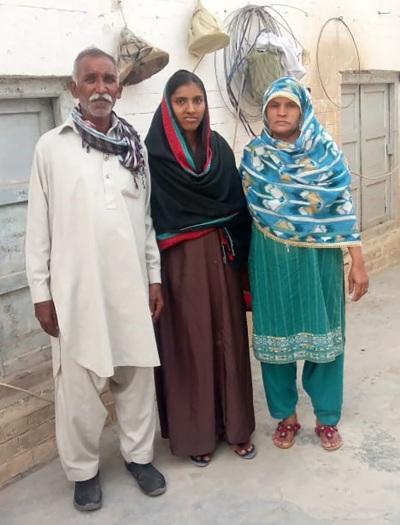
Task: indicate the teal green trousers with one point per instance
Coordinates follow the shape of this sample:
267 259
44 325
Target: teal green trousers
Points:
323 382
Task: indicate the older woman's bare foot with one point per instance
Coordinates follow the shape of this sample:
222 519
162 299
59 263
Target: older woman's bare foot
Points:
285 433
329 435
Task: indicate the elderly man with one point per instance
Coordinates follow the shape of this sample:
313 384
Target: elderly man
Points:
94 273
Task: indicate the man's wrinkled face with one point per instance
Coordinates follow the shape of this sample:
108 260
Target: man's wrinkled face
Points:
96 86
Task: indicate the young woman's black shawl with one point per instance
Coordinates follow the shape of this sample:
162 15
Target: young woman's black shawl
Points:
183 201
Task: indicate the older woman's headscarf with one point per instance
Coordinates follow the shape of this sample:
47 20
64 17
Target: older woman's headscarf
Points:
299 193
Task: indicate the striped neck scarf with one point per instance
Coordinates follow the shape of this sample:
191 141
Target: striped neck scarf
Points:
127 144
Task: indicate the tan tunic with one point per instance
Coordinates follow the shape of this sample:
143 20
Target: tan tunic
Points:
91 247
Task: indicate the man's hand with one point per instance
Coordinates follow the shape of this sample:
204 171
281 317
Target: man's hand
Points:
156 301
46 315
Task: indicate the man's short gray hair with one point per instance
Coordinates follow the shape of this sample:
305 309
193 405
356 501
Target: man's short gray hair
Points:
92 52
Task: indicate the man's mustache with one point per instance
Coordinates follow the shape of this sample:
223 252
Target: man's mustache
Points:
105 97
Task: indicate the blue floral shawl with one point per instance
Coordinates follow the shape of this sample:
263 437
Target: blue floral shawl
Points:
299 193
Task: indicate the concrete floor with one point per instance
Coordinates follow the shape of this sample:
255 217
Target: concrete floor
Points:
359 484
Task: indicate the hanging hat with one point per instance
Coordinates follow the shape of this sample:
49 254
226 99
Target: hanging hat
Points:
206 33
138 60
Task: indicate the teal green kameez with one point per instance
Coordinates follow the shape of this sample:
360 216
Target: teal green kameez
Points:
298 314
298 301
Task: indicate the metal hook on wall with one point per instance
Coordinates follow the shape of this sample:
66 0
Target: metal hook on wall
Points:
121 8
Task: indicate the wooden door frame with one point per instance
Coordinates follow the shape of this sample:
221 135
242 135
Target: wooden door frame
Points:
32 346
55 88
355 181
19 88
376 76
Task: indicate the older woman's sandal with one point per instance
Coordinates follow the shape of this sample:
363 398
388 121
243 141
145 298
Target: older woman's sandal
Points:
331 433
282 431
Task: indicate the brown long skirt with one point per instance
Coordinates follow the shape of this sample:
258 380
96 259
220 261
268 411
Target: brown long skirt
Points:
204 388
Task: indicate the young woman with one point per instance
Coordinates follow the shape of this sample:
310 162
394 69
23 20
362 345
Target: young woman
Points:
297 184
204 386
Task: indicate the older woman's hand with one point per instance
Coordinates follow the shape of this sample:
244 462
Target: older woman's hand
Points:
358 277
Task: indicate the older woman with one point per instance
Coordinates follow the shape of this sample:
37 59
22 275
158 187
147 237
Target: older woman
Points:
297 185
200 216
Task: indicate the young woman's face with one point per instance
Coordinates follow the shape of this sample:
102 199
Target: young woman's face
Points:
189 106
283 117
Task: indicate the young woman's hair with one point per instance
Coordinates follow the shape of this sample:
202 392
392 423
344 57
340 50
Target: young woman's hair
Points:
183 78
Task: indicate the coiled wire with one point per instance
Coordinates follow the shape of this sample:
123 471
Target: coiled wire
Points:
244 26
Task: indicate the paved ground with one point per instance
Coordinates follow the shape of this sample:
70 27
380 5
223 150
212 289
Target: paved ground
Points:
360 484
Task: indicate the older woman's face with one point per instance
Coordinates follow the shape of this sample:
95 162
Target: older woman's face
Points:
283 117
189 106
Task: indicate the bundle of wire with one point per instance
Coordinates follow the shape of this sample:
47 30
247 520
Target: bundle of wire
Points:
244 26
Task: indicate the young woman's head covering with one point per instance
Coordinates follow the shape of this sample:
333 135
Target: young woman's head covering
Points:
194 191
194 162
299 193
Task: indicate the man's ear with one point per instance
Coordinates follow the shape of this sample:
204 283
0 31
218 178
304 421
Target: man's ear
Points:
73 88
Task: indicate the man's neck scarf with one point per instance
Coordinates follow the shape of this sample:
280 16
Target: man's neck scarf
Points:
299 193
127 144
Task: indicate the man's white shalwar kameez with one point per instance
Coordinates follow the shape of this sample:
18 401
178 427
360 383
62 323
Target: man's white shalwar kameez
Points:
91 248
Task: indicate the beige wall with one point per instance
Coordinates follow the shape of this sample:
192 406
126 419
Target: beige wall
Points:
42 37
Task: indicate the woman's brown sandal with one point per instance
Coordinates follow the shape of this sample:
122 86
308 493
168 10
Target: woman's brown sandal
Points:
244 453
282 431
330 432
201 461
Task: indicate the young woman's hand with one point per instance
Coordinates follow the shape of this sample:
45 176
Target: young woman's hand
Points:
156 301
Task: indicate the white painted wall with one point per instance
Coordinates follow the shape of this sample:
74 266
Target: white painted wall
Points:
42 38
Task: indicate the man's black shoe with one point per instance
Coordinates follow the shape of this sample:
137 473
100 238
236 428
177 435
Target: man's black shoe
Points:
87 494
149 479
